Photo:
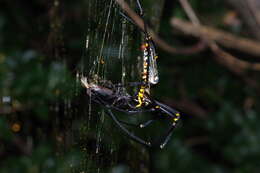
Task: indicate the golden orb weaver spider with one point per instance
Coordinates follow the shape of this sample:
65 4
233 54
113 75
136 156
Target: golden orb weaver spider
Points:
115 97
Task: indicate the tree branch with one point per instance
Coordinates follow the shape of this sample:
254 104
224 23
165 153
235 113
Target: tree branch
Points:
223 38
158 41
232 63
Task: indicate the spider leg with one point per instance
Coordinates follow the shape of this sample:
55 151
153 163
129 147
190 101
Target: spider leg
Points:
130 111
141 125
164 139
119 124
133 110
131 84
127 18
132 136
130 20
167 136
136 83
166 109
141 13
156 107
174 115
147 123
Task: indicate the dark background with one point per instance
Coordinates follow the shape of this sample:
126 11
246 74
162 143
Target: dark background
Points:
46 124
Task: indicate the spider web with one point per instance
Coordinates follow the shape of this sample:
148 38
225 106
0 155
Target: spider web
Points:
109 44
111 53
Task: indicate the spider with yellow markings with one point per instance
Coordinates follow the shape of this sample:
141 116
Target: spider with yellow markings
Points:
114 97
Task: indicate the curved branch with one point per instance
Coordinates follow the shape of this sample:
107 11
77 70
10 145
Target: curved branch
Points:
225 39
159 42
231 62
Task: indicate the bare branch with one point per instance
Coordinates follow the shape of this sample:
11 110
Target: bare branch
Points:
238 66
159 42
190 13
226 59
224 38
